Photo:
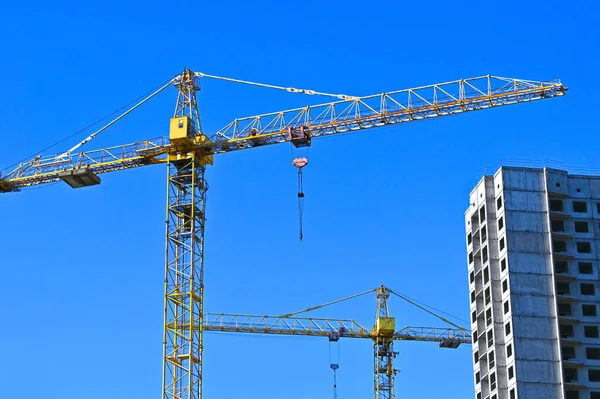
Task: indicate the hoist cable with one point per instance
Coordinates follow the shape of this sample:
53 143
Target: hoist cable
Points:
300 201
334 366
334 385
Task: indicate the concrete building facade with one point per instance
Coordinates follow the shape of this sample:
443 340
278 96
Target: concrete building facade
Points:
533 242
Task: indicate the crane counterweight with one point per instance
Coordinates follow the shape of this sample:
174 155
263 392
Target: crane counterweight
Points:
78 178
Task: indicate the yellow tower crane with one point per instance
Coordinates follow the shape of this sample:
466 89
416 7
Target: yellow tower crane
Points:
383 333
188 150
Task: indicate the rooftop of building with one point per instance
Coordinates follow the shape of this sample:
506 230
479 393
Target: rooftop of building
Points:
530 166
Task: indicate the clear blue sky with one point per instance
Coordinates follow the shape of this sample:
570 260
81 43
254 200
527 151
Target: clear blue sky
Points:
83 270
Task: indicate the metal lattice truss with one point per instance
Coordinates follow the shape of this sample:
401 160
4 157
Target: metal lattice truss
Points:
282 325
321 327
182 372
187 85
384 372
418 103
42 170
356 113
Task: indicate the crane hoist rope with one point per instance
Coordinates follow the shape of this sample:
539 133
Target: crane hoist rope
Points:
300 163
334 364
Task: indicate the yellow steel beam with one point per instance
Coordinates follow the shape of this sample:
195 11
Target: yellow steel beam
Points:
322 327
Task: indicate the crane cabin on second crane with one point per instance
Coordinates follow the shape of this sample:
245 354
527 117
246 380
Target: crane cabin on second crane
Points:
187 151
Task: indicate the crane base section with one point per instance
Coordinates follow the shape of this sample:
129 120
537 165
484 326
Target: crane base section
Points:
78 178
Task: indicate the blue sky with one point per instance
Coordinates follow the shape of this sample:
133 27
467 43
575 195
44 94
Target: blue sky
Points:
83 270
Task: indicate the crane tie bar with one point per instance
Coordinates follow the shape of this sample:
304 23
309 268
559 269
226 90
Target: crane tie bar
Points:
288 89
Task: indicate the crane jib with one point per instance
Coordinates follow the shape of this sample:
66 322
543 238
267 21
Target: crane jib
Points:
298 126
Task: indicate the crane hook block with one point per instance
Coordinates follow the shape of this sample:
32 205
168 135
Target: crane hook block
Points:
299 137
300 162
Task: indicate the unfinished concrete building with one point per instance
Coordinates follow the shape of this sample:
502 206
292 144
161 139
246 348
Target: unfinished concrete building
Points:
533 238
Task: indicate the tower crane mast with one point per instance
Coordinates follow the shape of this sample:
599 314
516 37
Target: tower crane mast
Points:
385 373
188 151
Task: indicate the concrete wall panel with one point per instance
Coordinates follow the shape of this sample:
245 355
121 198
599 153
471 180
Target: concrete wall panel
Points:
514 179
534 181
529 242
529 180
532 349
579 187
530 201
558 182
532 390
537 284
528 263
595 188
526 221
533 327
532 306
537 371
